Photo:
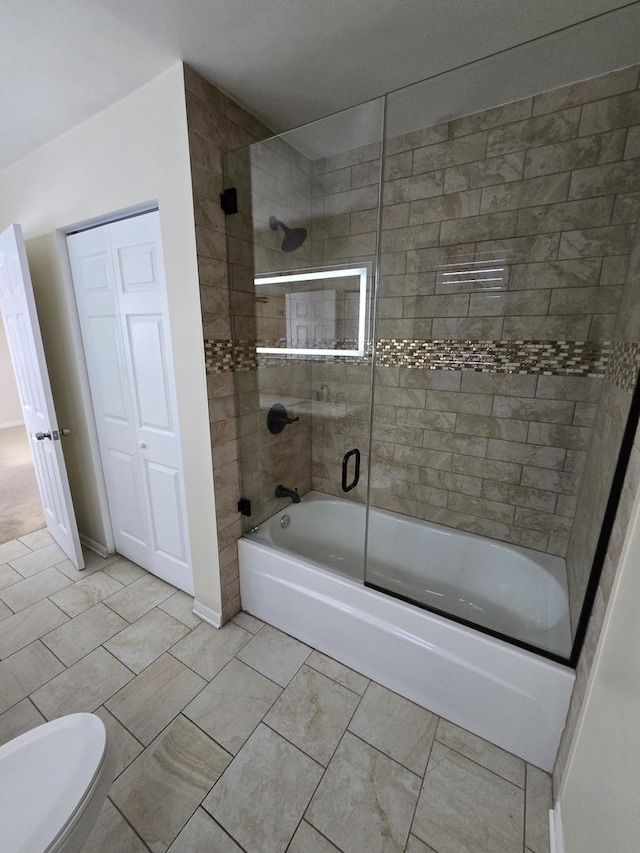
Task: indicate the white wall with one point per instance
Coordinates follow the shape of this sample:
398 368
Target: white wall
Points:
133 153
600 793
10 410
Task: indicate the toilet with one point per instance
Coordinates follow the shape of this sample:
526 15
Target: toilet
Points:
53 782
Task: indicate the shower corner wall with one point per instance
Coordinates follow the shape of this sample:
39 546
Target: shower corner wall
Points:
618 388
216 124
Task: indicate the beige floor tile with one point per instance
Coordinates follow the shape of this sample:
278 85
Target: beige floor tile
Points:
123 743
4 611
84 633
180 606
125 571
365 800
94 561
538 802
8 576
182 761
207 649
37 539
112 834
146 639
12 550
338 672
20 719
67 568
313 713
395 726
308 840
264 792
85 593
203 833
414 845
30 624
230 708
33 589
248 622
155 697
275 655
83 687
509 766
35 561
464 808
134 600
25 671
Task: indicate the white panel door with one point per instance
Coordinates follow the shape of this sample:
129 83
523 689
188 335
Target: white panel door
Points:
118 275
18 308
311 319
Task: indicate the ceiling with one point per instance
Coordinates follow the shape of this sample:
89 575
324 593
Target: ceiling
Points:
288 61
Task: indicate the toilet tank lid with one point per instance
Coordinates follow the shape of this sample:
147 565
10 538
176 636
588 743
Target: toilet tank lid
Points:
44 777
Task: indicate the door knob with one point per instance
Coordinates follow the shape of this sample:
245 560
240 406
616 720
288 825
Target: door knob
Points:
142 445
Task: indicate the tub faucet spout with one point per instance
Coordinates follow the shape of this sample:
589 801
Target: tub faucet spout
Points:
283 492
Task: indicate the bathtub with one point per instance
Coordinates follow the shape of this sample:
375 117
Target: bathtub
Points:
302 571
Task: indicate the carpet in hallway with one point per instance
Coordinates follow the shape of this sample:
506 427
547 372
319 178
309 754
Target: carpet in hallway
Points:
20 505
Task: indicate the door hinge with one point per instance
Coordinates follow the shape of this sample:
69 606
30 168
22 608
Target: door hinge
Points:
229 201
244 506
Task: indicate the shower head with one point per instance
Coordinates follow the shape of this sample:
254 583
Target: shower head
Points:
293 237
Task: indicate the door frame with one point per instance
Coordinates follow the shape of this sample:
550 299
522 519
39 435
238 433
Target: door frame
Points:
77 346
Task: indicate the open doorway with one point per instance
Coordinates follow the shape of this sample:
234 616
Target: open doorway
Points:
20 504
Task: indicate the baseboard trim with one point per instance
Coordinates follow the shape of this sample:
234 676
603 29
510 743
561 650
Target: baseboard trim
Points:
92 545
207 613
9 424
556 839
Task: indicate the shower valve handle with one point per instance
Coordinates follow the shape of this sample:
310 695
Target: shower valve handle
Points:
277 419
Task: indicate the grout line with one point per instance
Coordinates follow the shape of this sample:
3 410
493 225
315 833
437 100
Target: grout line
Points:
381 752
217 823
479 763
127 821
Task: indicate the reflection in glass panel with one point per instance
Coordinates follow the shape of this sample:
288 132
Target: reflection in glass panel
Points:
313 313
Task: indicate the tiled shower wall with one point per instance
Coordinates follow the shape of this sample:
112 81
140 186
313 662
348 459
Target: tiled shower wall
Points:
217 124
548 186
607 432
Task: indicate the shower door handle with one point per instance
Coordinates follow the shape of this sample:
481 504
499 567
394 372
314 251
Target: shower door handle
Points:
345 464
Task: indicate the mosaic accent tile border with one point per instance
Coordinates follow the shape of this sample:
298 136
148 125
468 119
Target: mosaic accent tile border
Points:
224 355
623 365
619 362
564 358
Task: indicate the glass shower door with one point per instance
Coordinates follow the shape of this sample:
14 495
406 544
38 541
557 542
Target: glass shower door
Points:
303 250
501 387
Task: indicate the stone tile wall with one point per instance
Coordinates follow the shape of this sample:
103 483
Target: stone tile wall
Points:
601 602
217 124
608 429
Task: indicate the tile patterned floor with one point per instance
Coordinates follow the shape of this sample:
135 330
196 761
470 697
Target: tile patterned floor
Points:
243 739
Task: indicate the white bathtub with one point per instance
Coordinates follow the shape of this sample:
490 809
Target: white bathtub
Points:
306 578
